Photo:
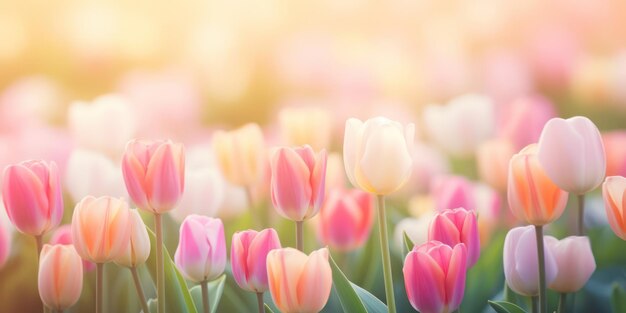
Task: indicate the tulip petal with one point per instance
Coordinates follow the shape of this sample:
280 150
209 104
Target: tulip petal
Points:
315 281
163 180
291 190
351 139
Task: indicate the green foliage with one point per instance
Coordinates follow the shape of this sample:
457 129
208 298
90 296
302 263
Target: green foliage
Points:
505 307
216 288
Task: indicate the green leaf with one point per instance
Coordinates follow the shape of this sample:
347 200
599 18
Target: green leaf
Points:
177 297
216 288
350 300
372 304
505 307
618 298
268 309
408 244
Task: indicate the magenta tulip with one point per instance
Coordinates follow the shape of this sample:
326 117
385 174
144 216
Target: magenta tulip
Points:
454 226
346 219
201 251
248 254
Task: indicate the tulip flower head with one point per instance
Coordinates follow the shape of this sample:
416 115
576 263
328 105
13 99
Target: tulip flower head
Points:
346 219
574 260
63 236
614 194
248 256
201 251
138 249
454 226
450 192
434 277
615 148
377 154
154 172
299 283
493 162
31 192
60 276
241 154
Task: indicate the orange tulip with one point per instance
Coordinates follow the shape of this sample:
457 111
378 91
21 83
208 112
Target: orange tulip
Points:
614 194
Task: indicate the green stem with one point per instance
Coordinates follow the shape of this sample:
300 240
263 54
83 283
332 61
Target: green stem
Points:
160 272
205 296
384 246
140 294
99 286
581 215
259 301
562 298
534 301
543 305
299 236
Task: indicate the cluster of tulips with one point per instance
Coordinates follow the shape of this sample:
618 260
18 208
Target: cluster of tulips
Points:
377 156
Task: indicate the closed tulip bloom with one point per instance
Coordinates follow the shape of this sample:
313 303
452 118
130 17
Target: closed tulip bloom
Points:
138 249
615 148
154 172
454 226
575 262
101 228
31 192
63 236
201 251
377 154
241 154
248 254
306 126
450 192
614 194
523 120
520 261
60 276
297 183
572 153
434 277
492 159
299 283
346 219
532 195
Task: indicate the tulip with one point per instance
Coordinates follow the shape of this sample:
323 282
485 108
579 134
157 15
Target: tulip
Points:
615 148
63 236
574 260
306 126
297 282
614 194
60 276
92 173
450 192
523 120
138 249
240 154
434 277
346 219
532 195
492 159
31 192
454 226
520 261
204 193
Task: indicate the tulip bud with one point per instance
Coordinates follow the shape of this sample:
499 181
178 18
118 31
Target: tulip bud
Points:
574 260
532 196
248 254
520 261
524 119
572 154
31 192
434 277
299 283
201 251
454 226
138 249
493 162
615 148
63 236
377 154
306 126
241 154
297 184
614 194
101 228
154 172
346 219
60 276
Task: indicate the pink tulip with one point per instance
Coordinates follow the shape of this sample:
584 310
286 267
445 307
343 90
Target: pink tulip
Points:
572 153
299 283
574 260
31 192
493 162
154 172
450 192
201 251
60 276
248 254
614 194
63 236
297 185
138 249
454 226
520 261
615 148
522 121
434 277
346 219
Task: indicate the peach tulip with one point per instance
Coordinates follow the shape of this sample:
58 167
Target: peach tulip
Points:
377 154
346 219
454 226
248 254
60 276
297 183
138 249
201 251
574 260
154 172
572 154
532 195
101 228
614 194
241 154
306 126
615 148
31 192
63 236
492 159
434 277
297 282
